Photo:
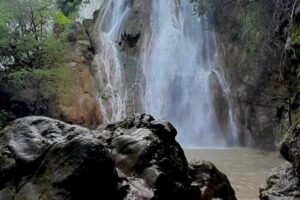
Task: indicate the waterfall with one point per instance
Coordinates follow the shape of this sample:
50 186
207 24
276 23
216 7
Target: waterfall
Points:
177 58
112 93
178 69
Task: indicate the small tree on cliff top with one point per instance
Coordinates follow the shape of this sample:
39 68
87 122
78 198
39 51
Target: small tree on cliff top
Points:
32 34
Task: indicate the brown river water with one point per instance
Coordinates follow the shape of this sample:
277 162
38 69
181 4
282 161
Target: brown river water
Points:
247 169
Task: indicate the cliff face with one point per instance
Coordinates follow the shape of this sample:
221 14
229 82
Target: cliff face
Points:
258 48
252 41
119 31
284 181
82 106
67 92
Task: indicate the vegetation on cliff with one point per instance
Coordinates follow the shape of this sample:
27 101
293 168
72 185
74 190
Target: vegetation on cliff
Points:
258 42
34 50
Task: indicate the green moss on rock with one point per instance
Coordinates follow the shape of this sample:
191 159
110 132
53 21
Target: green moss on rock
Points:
296 36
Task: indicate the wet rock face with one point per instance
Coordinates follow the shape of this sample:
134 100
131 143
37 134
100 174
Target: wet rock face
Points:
290 148
284 182
82 107
210 182
146 148
137 158
43 158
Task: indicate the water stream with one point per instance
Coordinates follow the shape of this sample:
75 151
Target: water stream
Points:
112 94
178 64
178 68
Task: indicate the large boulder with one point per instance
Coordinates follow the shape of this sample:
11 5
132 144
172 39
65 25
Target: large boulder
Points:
290 148
137 158
41 158
284 182
146 148
210 182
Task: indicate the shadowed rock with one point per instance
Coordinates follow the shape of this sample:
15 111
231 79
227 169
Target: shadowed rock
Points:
210 182
284 182
290 148
137 158
41 158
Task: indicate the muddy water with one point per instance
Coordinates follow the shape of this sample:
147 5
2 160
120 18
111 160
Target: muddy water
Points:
246 169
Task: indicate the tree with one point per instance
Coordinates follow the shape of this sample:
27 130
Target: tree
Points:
33 53
32 34
68 7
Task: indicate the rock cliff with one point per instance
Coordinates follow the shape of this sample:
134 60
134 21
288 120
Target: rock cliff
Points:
284 182
255 42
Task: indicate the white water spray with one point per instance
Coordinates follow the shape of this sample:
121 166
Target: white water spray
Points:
177 58
113 95
177 67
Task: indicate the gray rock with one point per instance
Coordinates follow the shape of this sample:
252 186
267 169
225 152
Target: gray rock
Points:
137 158
209 182
43 158
290 148
147 148
282 184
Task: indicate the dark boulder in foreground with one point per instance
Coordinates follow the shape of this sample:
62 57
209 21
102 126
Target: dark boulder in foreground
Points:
210 181
138 158
41 158
284 182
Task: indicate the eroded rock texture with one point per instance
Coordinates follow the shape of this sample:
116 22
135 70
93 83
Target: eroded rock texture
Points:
138 158
43 158
284 182
210 181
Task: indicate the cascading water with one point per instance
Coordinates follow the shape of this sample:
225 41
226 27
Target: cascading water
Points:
113 95
178 67
177 59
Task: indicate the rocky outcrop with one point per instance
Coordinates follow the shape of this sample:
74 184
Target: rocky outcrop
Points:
210 182
259 53
290 148
43 158
147 149
284 182
82 107
249 52
138 158
66 93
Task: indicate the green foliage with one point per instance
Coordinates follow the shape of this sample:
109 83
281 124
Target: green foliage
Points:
296 36
34 52
249 19
251 35
4 14
49 83
54 54
69 7
60 19
26 36
17 78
